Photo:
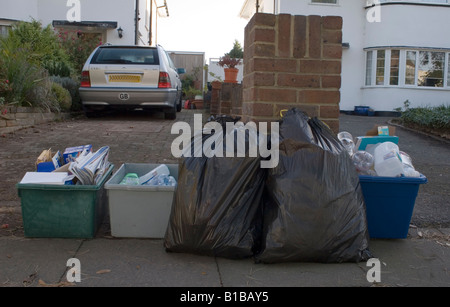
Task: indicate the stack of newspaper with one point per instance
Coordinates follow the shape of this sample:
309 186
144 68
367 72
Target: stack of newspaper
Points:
90 167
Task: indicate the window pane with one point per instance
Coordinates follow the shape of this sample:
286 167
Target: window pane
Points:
395 66
431 69
125 55
410 73
381 54
448 70
369 62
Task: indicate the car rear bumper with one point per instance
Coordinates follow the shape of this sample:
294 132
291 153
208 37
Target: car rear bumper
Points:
139 97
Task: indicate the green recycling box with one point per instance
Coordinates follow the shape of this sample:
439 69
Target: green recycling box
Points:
66 211
139 211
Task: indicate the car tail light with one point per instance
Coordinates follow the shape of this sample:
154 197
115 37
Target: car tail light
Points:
85 79
164 80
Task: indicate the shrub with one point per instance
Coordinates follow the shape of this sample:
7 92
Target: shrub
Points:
237 51
437 118
78 46
42 45
72 86
62 97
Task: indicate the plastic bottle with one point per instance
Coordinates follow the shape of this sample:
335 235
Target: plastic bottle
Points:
408 168
346 140
130 179
364 162
388 162
160 170
162 180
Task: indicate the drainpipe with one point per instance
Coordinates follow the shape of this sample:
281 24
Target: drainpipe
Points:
150 38
136 22
257 6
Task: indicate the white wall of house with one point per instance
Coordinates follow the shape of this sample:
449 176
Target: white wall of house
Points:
403 26
120 11
408 27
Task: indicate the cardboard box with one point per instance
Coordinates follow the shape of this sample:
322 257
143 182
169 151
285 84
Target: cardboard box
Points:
46 164
385 130
362 143
71 153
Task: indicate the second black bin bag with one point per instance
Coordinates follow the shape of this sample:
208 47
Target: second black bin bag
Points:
314 210
217 206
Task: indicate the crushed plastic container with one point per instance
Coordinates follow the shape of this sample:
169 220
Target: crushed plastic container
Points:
141 211
388 162
390 204
63 211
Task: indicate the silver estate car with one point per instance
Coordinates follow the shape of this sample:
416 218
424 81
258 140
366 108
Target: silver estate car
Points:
131 77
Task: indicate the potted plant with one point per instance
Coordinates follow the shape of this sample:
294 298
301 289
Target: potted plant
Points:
229 64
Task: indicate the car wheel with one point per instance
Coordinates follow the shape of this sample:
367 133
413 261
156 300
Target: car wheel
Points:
171 113
89 113
179 105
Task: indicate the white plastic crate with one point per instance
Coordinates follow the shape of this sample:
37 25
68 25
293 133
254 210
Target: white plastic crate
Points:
139 211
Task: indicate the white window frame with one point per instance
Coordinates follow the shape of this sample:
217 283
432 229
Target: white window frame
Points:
402 69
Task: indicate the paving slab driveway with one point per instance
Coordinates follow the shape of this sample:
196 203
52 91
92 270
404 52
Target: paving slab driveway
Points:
134 137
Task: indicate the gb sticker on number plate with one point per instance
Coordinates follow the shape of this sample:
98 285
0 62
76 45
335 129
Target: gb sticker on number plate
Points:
124 96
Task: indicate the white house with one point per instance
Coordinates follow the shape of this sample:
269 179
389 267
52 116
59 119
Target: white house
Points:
393 50
113 21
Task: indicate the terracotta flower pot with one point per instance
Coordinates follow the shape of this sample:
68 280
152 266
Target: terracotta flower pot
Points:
216 85
231 75
198 104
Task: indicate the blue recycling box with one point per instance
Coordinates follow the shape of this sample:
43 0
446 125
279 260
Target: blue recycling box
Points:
390 204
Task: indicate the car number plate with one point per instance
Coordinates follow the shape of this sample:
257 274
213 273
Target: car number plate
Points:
125 78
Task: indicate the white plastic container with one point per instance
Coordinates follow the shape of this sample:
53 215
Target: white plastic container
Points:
139 211
388 162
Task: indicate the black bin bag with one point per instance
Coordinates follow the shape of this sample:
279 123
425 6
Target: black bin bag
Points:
217 208
314 209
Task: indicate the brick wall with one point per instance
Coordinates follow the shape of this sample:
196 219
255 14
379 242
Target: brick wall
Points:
292 61
16 118
226 99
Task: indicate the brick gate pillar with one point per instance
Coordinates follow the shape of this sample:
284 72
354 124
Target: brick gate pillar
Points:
292 61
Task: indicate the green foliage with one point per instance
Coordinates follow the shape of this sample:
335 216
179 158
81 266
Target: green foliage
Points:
72 86
237 52
60 69
187 82
21 77
78 46
28 55
41 45
436 118
191 92
62 97
229 62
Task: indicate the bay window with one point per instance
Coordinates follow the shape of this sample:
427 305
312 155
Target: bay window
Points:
403 67
431 69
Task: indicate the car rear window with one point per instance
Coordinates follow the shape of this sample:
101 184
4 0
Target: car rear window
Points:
133 56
